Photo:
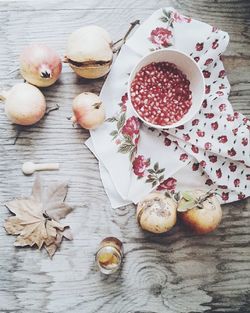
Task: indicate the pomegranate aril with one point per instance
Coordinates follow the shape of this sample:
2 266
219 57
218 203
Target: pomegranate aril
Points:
160 93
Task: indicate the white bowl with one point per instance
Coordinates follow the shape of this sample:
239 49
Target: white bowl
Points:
189 67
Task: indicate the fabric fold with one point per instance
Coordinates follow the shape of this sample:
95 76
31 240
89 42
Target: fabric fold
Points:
211 151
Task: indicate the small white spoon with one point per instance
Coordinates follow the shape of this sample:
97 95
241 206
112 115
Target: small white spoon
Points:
29 168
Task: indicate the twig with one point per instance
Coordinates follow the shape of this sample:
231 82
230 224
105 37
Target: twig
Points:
55 108
18 133
116 42
207 195
13 71
20 129
123 40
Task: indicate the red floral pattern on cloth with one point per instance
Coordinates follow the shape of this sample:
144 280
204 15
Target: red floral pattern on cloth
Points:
214 143
199 46
161 36
131 127
141 168
127 133
179 18
224 128
168 184
206 138
124 100
140 165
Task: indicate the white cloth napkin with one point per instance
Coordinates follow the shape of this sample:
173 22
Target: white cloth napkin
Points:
210 152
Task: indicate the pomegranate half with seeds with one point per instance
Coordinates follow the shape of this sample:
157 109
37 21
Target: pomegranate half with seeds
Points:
166 88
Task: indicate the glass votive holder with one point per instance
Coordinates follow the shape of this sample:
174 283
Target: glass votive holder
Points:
109 255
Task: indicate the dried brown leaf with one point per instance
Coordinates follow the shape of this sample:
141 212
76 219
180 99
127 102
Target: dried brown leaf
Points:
59 238
25 209
22 242
38 189
49 241
51 249
36 218
68 234
58 210
56 192
29 229
13 225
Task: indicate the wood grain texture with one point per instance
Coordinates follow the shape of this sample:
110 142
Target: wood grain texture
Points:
175 273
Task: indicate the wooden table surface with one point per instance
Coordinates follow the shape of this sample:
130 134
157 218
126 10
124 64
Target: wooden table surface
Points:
177 272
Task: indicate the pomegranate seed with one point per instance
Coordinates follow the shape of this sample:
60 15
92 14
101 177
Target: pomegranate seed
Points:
160 93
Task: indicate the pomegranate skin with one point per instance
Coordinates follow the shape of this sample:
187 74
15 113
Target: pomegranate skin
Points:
89 52
205 220
40 65
24 104
88 110
192 220
156 213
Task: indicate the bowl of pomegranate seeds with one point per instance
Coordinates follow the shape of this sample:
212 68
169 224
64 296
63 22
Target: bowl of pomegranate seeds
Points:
166 88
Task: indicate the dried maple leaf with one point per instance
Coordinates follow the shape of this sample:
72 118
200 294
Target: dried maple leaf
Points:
36 219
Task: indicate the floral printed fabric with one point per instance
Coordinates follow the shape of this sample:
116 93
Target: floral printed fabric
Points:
210 152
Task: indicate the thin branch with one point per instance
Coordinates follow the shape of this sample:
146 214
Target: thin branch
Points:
20 129
18 133
123 40
55 108
13 71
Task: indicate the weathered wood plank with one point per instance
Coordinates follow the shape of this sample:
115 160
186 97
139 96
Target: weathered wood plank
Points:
177 272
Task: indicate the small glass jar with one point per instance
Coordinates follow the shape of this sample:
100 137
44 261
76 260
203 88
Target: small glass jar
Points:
109 255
